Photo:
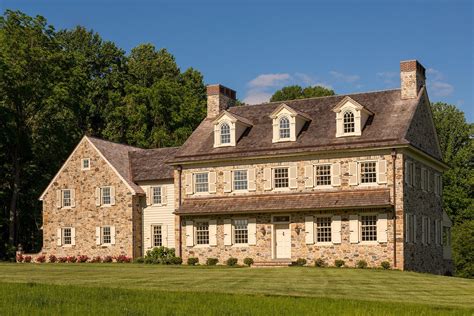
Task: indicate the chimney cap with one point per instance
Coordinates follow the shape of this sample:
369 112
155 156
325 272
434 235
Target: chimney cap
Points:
412 65
215 89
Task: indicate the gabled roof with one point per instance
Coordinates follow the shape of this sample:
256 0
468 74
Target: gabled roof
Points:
291 110
234 118
147 165
387 127
357 105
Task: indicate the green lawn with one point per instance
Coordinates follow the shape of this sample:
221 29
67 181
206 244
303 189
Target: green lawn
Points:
133 289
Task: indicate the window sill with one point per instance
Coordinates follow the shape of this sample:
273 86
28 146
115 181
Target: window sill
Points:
281 189
240 245
106 205
66 246
66 207
370 243
324 244
202 246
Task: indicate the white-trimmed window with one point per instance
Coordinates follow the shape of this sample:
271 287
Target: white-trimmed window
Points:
368 172
202 233
349 122
66 235
323 229
284 128
66 198
105 196
157 236
281 178
156 195
241 233
368 224
240 179
201 182
105 235
86 164
225 133
323 175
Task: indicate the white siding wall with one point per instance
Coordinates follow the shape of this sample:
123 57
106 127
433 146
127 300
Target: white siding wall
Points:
159 215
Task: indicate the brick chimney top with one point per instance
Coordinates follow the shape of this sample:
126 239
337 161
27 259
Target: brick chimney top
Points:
220 89
412 77
219 98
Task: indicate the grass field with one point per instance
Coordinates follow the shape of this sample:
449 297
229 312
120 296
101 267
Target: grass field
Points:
131 289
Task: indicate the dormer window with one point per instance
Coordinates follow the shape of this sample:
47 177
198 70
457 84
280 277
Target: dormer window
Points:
284 128
228 128
349 122
225 133
350 117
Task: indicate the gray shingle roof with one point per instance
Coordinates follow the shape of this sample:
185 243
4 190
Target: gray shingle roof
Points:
150 164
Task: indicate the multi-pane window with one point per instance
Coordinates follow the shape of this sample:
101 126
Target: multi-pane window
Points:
446 236
369 227
241 231
201 182
323 175
225 133
105 195
368 172
349 122
202 233
280 177
284 127
157 238
66 197
106 235
240 180
67 236
86 164
323 229
156 194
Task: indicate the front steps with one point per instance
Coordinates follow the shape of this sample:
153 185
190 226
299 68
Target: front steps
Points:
272 263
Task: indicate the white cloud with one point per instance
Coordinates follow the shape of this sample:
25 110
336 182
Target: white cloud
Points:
344 77
389 78
434 74
324 85
268 80
437 84
256 97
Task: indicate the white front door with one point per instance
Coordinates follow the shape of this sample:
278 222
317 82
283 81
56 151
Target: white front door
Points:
282 241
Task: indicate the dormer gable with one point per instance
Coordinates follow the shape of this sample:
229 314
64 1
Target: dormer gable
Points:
351 117
228 128
287 123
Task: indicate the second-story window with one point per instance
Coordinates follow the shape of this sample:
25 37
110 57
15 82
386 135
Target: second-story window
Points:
225 133
280 177
349 122
86 164
201 182
368 172
284 128
323 175
156 191
66 197
240 180
105 195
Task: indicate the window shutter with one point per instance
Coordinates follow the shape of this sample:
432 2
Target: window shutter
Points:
164 195
189 233
112 235
276 130
267 179
414 229
428 234
252 185
423 230
149 196
407 227
336 174
407 172
336 229
97 196
309 229
382 227
308 176
293 175
58 237
227 181
227 232
212 182
97 235
164 235
354 228
353 173
58 199
189 183
252 231
423 179
217 134
112 195
73 236
73 198
382 171
212 232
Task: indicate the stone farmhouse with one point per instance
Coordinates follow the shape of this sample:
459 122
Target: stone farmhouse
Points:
351 177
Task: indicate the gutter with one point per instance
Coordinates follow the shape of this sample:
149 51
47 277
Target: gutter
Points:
394 159
180 233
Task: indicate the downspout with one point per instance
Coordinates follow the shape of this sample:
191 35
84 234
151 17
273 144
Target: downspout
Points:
180 234
394 159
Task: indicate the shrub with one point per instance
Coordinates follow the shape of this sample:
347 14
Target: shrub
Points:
212 261
52 258
300 262
139 260
96 259
108 259
248 261
361 264
231 262
71 259
385 265
62 259
176 260
339 263
27 259
82 259
123 259
319 263
41 259
19 258
161 255
193 261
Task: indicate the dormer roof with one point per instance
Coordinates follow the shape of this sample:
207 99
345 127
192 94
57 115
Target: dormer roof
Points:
232 117
354 103
294 112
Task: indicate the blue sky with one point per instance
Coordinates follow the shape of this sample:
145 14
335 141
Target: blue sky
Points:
256 47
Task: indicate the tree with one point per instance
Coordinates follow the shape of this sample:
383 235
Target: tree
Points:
297 92
463 249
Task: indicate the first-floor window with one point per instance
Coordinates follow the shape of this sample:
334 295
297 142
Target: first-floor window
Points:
105 195
410 228
426 230
446 236
157 236
66 197
202 233
106 235
280 177
67 236
368 172
240 180
323 229
323 175
241 234
156 192
369 227
201 182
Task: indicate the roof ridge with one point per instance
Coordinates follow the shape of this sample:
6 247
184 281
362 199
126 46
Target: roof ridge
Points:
113 142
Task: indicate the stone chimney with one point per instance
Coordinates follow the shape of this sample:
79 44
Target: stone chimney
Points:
412 76
219 98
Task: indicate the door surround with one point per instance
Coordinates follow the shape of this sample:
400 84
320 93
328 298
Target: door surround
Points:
280 219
